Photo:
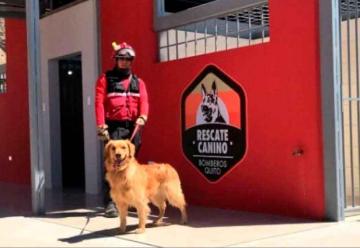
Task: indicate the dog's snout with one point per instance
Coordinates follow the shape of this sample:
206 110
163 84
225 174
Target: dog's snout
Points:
118 155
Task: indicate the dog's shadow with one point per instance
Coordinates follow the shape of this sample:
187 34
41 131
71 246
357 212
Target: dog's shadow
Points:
112 232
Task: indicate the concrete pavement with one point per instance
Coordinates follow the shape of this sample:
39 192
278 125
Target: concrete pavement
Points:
72 220
207 228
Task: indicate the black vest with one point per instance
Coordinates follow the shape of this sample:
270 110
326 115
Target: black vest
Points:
115 84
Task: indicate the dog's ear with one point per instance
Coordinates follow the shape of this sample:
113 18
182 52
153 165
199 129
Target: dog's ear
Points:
203 90
107 149
131 148
214 88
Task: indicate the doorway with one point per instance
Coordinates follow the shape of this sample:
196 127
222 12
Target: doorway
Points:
71 123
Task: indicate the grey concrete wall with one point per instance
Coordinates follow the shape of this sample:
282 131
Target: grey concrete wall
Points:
70 31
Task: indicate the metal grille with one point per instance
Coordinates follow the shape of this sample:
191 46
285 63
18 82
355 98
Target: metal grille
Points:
350 33
349 8
232 30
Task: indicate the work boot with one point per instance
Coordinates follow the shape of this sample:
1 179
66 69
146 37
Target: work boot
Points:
111 210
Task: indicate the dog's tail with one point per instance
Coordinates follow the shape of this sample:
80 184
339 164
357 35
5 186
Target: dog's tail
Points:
174 193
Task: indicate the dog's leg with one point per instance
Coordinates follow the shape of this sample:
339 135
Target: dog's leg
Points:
143 211
160 203
123 212
184 218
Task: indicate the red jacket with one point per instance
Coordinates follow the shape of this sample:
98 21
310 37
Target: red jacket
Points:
114 104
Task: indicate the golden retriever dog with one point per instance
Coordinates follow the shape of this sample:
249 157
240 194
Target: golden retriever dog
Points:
134 184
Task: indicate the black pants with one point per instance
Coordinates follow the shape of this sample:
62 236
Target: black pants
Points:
120 130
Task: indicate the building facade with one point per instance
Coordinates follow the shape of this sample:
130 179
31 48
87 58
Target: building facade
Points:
261 60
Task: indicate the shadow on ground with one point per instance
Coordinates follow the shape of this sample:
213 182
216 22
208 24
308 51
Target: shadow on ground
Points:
16 201
112 232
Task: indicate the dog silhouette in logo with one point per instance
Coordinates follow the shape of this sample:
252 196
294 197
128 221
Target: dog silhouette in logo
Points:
210 108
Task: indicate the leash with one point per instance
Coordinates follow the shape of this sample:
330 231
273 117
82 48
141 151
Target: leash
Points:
136 130
87 222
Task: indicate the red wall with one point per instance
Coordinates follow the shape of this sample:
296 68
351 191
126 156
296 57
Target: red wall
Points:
14 111
282 83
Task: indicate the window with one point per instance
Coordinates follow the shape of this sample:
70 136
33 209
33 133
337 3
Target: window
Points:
3 86
48 6
214 26
173 6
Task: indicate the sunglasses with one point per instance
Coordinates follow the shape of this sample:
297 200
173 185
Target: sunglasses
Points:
124 58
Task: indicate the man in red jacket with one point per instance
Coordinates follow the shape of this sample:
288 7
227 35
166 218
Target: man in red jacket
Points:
121 104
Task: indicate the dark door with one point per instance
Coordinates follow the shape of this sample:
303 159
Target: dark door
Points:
71 112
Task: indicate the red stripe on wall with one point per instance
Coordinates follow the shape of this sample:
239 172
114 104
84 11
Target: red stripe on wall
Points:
14 111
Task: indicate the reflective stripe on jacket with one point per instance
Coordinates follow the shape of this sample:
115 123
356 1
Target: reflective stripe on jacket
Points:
120 99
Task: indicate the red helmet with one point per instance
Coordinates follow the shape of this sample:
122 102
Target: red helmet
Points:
123 50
